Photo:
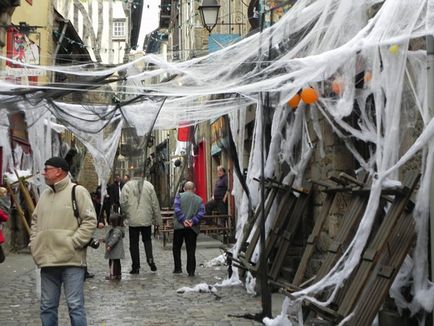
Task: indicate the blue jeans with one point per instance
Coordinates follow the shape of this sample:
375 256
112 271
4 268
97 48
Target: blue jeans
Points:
51 284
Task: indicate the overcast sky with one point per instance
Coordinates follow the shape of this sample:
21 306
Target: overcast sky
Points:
150 19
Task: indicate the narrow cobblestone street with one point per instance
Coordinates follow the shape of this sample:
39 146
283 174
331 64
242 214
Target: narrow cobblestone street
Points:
144 299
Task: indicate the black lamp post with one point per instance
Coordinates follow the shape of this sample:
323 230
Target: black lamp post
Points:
209 12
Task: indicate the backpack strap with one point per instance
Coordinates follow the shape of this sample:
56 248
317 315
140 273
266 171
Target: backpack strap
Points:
75 205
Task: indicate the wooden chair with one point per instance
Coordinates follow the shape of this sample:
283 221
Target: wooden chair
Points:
284 229
286 205
275 191
350 222
288 216
331 191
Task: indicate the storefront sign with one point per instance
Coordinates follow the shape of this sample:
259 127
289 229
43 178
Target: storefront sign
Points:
219 41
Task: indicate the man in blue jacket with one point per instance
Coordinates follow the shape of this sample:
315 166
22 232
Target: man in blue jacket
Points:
189 210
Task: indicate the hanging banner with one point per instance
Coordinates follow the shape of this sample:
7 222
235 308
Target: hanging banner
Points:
184 133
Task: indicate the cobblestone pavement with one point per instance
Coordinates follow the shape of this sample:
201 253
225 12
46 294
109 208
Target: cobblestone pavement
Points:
145 299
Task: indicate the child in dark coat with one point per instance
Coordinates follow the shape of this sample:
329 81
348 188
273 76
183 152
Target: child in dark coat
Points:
115 247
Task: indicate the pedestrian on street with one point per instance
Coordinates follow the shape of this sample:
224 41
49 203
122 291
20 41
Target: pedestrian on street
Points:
114 246
106 205
115 193
4 201
141 210
3 218
102 210
189 210
58 242
96 200
219 201
125 179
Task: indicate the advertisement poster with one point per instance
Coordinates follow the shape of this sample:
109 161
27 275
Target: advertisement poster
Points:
23 48
275 9
216 135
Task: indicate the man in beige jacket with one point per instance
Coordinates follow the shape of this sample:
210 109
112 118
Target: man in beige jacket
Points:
58 242
141 209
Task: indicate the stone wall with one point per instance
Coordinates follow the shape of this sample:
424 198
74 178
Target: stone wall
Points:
87 176
336 159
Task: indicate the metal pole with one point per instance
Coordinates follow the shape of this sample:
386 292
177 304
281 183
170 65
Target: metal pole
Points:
430 92
59 42
265 291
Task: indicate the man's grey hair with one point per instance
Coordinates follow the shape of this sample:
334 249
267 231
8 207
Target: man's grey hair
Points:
189 186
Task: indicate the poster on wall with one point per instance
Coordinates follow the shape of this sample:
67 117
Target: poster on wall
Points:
216 135
275 9
23 48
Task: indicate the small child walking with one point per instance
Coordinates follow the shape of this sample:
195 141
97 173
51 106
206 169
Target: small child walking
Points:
114 246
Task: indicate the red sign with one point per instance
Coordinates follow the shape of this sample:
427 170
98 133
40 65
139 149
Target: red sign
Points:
184 133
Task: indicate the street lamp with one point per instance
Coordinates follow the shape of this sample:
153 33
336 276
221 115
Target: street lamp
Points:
209 11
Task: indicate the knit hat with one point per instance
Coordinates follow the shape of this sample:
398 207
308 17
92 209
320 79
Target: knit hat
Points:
58 162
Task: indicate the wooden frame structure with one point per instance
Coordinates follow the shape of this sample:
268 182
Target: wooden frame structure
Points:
363 293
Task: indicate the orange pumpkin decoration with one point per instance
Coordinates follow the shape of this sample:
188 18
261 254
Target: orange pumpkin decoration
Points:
309 95
337 87
293 101
368 76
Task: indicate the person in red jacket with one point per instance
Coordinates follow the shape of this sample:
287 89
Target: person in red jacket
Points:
3 218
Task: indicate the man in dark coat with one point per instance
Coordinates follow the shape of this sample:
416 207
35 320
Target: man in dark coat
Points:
219 201
114 193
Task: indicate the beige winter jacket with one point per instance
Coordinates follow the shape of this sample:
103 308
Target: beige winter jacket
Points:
56 237
140 206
